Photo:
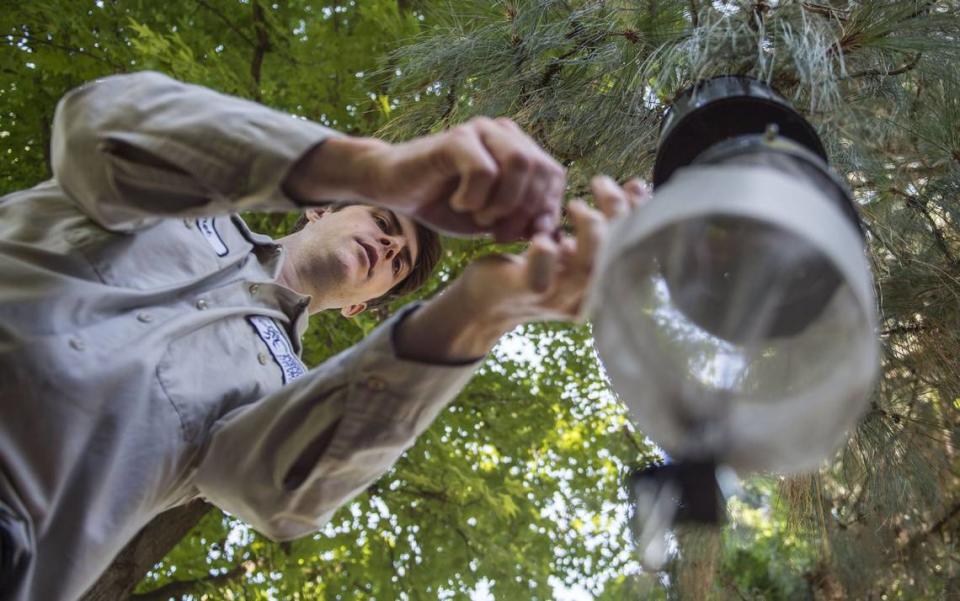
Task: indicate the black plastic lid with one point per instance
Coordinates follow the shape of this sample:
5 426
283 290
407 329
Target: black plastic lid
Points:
722 108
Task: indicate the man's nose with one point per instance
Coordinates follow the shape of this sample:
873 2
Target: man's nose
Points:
392 244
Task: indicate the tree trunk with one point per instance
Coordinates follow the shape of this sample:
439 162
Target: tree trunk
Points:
147 548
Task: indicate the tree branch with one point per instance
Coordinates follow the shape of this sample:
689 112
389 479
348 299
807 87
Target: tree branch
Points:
904 329
261 48
826 11
629 435
695 13
183 587
83 51
920 206
147 548
908 66
228 22
936 528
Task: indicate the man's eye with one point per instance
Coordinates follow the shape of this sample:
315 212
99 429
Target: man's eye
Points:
397 264
381 222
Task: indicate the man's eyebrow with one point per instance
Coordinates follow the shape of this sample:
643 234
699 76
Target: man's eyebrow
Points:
396 227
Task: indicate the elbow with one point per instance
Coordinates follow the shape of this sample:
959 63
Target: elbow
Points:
274 513
283 528
86 113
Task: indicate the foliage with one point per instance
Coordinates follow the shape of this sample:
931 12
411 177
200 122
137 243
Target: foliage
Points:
516 486
879 81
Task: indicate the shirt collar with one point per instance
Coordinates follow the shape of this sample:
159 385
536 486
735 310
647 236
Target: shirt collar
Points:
293 304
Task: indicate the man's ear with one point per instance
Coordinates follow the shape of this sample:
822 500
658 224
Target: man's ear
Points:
315 213
353 310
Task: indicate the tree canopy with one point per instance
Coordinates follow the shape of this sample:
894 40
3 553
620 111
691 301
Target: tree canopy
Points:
517 487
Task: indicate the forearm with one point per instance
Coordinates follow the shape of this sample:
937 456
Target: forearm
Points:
450 328
334 170
285 462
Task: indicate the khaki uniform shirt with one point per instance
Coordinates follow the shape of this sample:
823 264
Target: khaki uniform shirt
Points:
147 355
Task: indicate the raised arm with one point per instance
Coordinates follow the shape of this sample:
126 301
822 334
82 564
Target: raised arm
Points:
132 148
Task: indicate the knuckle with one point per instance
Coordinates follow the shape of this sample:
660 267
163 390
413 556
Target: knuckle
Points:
483 173
518 161
508 123
481 121
460 132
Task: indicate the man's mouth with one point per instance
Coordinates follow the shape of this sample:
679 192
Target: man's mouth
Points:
371 254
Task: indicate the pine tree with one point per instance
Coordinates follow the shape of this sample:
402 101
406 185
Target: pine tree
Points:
880 80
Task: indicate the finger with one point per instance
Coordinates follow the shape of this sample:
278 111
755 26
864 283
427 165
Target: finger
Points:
476 168
511 229
638 192
531 182
508 124
590 228
524 224
438 217
611 198
541 263
545 224
516 164
548 220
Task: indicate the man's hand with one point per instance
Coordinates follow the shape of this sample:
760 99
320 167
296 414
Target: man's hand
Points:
485 176
497 293
549 280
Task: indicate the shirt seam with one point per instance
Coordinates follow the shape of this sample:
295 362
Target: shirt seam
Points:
166 394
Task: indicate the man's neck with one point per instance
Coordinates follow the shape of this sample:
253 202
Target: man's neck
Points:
290 277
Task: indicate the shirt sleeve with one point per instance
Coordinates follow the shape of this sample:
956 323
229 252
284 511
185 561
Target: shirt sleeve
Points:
130 149
286 463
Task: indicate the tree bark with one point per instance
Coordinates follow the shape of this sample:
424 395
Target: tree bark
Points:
147 548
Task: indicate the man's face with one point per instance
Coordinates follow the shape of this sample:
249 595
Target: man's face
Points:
355 254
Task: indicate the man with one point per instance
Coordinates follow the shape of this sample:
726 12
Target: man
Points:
149 342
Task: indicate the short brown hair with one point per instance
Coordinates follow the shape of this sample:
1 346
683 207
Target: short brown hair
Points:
429 253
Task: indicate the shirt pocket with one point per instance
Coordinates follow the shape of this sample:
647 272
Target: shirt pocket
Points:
170 253
209 372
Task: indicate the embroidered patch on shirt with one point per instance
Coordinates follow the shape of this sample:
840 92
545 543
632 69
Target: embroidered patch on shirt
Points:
279 346
208 228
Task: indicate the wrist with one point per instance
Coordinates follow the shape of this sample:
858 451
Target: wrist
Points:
338 169
451 327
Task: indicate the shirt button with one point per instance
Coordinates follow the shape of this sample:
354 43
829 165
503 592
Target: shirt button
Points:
144 317
188 224
202 304
262 358
376 384
76 344
254 288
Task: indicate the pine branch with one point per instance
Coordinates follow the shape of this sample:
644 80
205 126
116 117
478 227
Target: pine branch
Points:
451 104
920 206
904 329
936 528
826 11
908 66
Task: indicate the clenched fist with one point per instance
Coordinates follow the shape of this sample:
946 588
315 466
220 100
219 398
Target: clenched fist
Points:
485 176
